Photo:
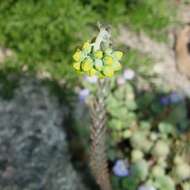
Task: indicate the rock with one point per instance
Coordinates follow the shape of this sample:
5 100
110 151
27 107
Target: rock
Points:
5 53
164 59
33 148
184 13
182 50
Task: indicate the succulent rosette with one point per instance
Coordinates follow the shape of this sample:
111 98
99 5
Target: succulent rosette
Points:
97 58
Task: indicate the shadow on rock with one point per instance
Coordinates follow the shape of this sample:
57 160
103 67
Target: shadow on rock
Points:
34 151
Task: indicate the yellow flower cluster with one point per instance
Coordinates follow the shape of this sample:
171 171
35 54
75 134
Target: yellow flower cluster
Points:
102 63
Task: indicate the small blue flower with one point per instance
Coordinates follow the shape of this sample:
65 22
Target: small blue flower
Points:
121 168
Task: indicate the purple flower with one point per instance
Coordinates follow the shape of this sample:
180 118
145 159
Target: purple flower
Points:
121 168
172 98
146 187
164 100
175 97
83 94
92 79
128 74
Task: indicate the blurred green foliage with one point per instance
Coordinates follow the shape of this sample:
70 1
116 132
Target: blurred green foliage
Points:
152 17
44 33
139 121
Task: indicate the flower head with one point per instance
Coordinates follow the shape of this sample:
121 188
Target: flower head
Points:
97 58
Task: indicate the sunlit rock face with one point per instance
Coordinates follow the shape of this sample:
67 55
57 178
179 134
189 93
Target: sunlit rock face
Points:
33 147
183 51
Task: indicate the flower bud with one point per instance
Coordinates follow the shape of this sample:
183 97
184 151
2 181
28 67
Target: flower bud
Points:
118 55
108 71
92 72
116 66
76 65
87 64
108 60
98 54
98 64
87 47
77 55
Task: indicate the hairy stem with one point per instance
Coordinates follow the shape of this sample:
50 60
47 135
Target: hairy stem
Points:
98 136
103 36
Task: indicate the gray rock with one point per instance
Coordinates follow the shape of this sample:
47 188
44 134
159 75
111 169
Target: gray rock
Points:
33 148
163 58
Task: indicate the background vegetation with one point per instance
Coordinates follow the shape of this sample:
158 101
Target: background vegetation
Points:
43 34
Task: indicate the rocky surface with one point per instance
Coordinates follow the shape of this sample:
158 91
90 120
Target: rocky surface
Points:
184 13
33 147
163 55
